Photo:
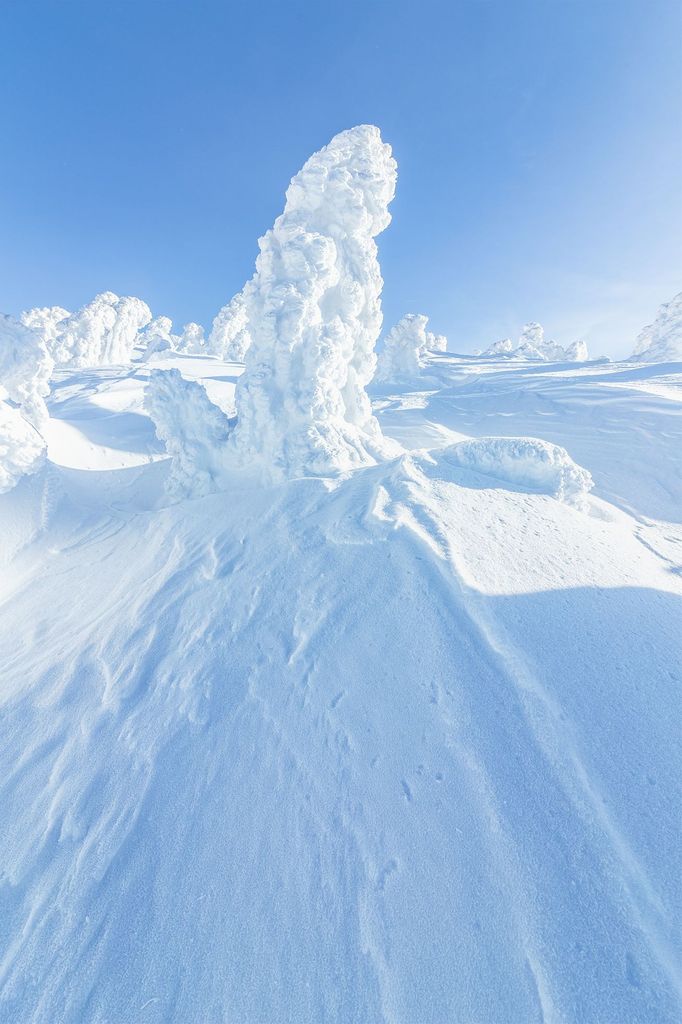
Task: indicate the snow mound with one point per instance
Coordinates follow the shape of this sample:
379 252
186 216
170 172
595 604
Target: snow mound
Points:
156 337
192 339
194 430
22 449
230 338
25 369
661 341
104 332
526 461
314 314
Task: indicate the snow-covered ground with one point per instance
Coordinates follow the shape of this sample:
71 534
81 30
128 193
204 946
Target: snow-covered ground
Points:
400 744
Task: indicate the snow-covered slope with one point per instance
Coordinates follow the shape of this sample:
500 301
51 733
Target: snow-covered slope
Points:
400 744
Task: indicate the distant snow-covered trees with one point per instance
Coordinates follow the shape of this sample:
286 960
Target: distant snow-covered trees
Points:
405 348
103 332
662 340
314 313
192 339
532 345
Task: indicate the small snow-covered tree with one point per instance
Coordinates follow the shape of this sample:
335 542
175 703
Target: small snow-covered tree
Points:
577 352
156 337
25 369
194 430
662 340
436 342
230 338
192 339
314 315
500 348
404 348
103 332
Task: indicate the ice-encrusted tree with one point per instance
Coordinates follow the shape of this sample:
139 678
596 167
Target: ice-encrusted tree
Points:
25 368
404 347
436 342
22 449
192 339
577 352
503 347
230 338
314 314
101 333
156 337
45 321
662 340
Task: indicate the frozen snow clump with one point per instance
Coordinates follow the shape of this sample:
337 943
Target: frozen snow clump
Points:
194 430
192 340
25 369
404 348
22 449
230 338
101 333
156 338
500 348
526 461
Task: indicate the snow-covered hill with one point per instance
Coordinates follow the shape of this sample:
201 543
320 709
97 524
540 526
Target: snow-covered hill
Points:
400 744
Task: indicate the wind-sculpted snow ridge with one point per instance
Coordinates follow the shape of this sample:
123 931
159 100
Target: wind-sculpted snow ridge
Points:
661 341
22 449
525 461
405 348
230 338
314 315
194 430
156 338
25 368
192 339
102 333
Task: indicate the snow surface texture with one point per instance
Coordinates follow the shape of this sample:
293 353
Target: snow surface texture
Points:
104 332
193 429
661 341
532 345
230 338
526 461
397 745
22 449
314 314
25 368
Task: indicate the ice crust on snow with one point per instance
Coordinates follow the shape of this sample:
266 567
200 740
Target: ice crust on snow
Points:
230 338
101 333
526 461
22 449
194 430
662 340
405 348
25 368
314 314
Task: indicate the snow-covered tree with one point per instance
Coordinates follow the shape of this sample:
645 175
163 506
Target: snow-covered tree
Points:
436 342
194 430
314 315
404 347
230 338
45 321
662 340
22 449
25 368
577 352
192 340
156 337
101 333
500 348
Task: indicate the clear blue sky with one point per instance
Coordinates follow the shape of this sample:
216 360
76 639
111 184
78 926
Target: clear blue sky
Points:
146 146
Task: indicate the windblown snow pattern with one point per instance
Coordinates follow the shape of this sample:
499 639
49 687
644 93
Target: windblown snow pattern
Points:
314 315
661 341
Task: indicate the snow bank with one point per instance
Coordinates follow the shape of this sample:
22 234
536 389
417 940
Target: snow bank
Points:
230 338
526 461
662 340
156 337
194 430
22 449
192 339
103 332
314 315
25 368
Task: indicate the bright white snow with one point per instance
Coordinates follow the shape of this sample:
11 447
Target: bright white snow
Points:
661 341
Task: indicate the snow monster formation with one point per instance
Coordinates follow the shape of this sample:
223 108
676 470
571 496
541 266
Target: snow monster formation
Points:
25 369
661 341
102 333
405 348
314 314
